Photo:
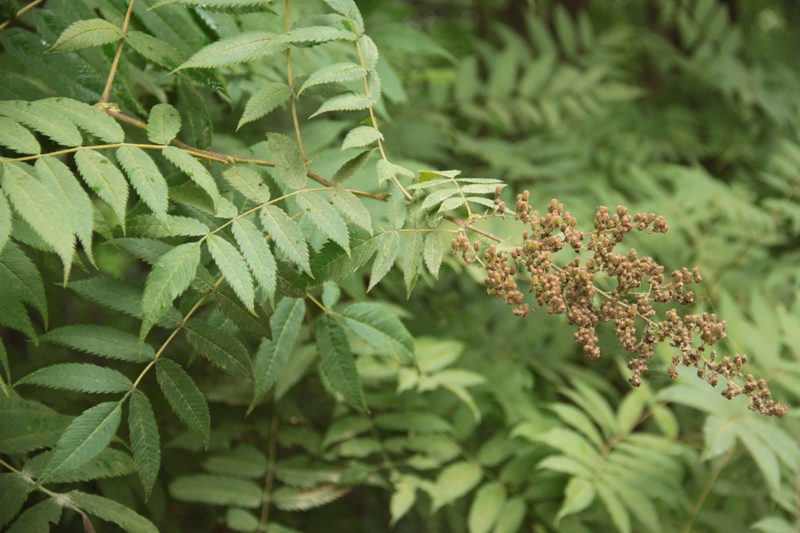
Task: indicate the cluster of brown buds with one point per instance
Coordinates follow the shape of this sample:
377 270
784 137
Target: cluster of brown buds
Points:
640 282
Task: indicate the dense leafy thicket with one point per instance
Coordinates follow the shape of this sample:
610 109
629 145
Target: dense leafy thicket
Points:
241 288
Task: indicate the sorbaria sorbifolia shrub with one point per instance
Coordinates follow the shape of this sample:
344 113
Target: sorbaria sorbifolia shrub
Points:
246 273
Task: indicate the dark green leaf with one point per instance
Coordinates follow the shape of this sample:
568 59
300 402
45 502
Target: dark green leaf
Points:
184 397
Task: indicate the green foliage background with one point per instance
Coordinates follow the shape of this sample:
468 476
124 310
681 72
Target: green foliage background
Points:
685 108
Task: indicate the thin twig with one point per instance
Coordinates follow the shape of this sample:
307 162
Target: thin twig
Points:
115 63
266 499
19 13
687 527
290 80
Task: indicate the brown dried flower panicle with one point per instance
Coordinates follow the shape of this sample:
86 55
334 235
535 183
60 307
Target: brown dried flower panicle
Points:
640 282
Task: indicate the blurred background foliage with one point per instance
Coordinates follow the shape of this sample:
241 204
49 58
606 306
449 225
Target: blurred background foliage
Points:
686 108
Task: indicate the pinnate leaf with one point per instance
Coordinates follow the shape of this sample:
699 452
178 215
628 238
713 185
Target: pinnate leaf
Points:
578 495
79 377
349 9
257 253
17 138
334 263
238 49
265 99
153 227
348 101
104 179
123 296
184 397
453 482
86 34
412 260
216 490
163 124
145 178
361 136
433 252
26 425
486 508
352 208
387 171
232 265
388 248
289 165
218 346
12 494
87 118
41 118
196 172
170 276
337 360
248 182
272 354
38 518
325 217
108 463
84 439
381 330
20 278
286 234
145 441
338 72
113 512
350 167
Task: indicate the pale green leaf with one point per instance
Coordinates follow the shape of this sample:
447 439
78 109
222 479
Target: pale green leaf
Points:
238 49
576 418
265 99
317 34
145 178
292 499
369 51
616 510
388 248
248 182
37 519
398 212
17 138
413 422
412 260
433 252
20 278
763 456
196 172
286 234
104 179
387 171
39 208
338 72
163 124
79 377
381 330
84 439
152 227
272 354
486 508
86 34
87 118
184 397
325 217
170 277
451 203
511 517
352 208
403 497
361 136
71 196
231 264
331 293
334 263
148 250
257 253
245 461
350 167
436 197
774 524
218 346
216 490
337 360
113 512
578 495
241 520
349 101
560 463
42 119
145 440
349 9
453 482
289 165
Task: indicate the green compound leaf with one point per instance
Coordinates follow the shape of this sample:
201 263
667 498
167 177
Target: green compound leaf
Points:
145 178
325 217
381 330
170 276
163 124
184 397
84 439
265 99
388 248
361 136
101 340
71 196
86 34
272 354
41 118
145 441
349 101
104 179
352 208
287 235
87 118
37 518
196 172
237 49
289 165
216 490
222 349
232 265
338 72
350 167
79 377
337 360
17 138
113 512
248 182
39 208
257 253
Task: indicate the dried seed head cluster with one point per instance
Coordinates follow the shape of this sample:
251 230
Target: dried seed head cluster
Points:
640 282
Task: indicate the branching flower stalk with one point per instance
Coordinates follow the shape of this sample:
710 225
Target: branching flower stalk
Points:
571 290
